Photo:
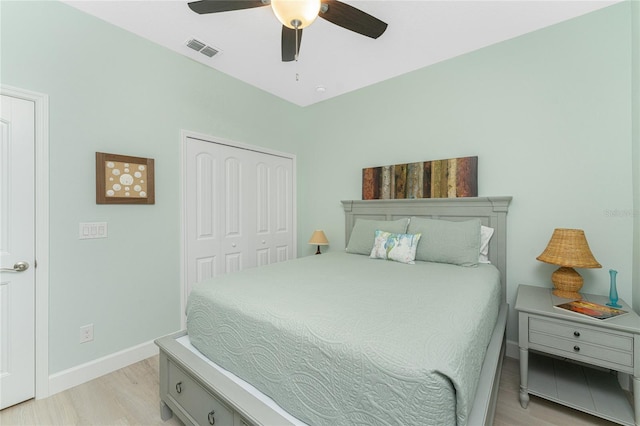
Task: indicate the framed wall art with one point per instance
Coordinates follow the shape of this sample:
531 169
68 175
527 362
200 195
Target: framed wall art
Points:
121 179
450 178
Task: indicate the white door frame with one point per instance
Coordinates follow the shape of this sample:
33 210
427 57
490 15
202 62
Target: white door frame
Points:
183 199
41 102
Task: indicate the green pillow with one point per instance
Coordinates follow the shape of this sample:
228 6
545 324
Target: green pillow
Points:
446 241
364 232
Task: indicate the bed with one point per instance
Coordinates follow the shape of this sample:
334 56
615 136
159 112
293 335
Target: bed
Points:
334 350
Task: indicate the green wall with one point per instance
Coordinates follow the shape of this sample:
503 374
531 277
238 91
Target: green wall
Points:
549 116
635 117
112 91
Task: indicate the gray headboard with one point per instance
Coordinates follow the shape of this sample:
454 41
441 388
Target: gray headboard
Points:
492 212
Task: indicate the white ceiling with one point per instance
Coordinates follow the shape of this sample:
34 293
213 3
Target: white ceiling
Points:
420 33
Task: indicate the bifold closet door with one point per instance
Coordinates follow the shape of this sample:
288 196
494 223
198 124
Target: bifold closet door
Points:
273 221
239 209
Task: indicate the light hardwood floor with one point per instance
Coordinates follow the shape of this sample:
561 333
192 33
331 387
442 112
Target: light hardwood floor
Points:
130 397
125 397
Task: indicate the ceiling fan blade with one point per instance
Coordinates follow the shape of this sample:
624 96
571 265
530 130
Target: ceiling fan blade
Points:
352 19
289 43
215 6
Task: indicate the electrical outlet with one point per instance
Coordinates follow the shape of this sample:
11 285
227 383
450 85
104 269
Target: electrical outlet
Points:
86 333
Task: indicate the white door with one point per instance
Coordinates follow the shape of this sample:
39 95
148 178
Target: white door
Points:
239 209
17 251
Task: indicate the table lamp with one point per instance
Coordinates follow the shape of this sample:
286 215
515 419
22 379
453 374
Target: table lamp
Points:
568 248
318 238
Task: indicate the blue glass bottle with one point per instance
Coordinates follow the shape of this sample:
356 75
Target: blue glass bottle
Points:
613 291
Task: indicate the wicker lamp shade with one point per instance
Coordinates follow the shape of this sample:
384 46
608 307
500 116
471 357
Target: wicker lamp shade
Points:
568 248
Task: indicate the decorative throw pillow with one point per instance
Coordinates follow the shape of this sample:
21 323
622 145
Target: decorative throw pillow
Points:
447 241
363 233
398 247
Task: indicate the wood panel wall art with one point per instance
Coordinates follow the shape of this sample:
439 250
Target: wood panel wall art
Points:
451 178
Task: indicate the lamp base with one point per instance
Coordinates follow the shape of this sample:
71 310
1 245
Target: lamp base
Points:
567 294
567 283
318 251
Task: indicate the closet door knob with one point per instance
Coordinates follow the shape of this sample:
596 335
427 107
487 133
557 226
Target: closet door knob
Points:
179 387
212 420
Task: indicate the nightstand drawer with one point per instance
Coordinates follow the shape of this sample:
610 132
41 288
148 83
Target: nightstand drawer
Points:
574 348
580 333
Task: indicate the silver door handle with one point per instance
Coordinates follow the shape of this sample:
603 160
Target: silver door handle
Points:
18 267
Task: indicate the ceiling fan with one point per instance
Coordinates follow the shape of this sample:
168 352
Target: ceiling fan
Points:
298 14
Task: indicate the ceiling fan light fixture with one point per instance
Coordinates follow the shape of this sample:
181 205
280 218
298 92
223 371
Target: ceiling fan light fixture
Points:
296 13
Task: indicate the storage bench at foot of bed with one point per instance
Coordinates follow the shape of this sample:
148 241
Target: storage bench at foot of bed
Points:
188 399
187 390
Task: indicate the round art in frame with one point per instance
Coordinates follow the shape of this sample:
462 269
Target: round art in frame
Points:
124 179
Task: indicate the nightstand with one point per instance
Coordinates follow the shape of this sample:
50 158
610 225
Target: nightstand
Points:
600 347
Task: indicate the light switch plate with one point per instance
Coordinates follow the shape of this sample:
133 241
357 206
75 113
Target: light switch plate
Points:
91 230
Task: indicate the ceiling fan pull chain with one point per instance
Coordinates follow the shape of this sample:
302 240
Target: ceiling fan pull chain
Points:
296 23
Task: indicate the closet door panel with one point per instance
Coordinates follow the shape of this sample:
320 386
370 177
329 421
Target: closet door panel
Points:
282 210
263 256
263 212
205 196
262 228
272 226
234 238
283 199
283 253
235 209
202 176
232 195
206 268
233 262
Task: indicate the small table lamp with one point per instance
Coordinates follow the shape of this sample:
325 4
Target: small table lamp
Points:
319 239
569 249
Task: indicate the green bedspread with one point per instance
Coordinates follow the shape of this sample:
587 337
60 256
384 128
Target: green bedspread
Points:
341 339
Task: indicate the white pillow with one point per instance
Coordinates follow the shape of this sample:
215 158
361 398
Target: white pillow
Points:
485 236
398 247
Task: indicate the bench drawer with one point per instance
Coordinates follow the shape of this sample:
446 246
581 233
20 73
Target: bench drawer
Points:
199 404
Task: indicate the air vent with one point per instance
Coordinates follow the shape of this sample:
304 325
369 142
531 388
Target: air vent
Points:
208 51
201 47
195 44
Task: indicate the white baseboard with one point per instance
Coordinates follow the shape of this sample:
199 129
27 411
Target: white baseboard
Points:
513 350
80 374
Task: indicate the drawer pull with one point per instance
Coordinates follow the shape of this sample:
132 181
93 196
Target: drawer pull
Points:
210 417
179 387
576 333
576 348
